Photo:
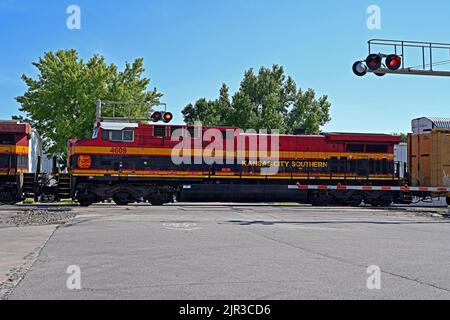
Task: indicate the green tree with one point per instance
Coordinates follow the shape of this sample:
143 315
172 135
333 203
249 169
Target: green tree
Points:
308 112
60 100
403 136
267 100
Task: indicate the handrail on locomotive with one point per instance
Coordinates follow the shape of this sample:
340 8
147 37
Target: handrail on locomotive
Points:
100 104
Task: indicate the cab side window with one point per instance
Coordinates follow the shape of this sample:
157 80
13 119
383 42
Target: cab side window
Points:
159 131
118 135
105 135
128 135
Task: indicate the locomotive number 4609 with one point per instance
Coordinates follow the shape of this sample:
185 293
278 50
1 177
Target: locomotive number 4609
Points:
119 150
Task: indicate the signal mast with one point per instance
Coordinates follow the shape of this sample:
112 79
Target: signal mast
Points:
393 59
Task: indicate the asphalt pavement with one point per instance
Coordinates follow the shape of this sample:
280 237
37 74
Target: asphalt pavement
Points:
240 251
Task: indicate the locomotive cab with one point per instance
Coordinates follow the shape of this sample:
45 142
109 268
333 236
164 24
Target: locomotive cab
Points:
14 140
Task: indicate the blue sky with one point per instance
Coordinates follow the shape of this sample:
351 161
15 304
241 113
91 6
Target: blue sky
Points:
190 47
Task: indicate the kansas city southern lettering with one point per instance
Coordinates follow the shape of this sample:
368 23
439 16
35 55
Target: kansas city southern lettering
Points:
294 164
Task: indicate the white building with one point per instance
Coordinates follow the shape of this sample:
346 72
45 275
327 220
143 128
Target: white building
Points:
35 145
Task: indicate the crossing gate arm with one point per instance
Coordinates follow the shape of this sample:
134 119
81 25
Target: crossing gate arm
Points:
371 188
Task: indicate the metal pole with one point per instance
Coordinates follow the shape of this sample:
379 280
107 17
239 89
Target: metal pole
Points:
423 57
9 164
54 165
98 110
403 56
36 178
431 57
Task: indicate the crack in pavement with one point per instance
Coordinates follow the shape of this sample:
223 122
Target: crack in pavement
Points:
186 284
349 262
17 274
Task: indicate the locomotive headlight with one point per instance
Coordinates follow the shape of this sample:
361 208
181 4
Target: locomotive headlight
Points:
84 162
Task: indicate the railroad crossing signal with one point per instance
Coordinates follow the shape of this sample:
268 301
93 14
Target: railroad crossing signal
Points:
393 60
163 116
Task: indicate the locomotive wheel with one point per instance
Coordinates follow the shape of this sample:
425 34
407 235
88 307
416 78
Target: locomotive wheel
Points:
320 200
159 198
121 203
382 201
385 201
8 198
123 199
353 202
157 203
356 199
85 200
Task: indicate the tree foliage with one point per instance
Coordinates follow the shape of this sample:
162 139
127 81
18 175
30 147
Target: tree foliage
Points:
60 100
403 136
267 100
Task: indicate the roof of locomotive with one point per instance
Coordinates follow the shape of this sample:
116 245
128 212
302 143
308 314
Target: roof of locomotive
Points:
14 126
331 136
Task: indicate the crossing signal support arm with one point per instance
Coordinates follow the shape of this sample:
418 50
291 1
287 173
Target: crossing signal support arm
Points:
395 57
413 72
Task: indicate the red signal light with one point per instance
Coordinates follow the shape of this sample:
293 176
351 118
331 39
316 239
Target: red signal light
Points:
156 116
167 117
373 61
393 62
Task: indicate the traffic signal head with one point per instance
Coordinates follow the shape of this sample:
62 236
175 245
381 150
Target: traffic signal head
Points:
359 68
156 116
167 117
373 61
393 62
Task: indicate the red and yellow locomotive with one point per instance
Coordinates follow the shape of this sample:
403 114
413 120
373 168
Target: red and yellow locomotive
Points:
14 150
131 162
